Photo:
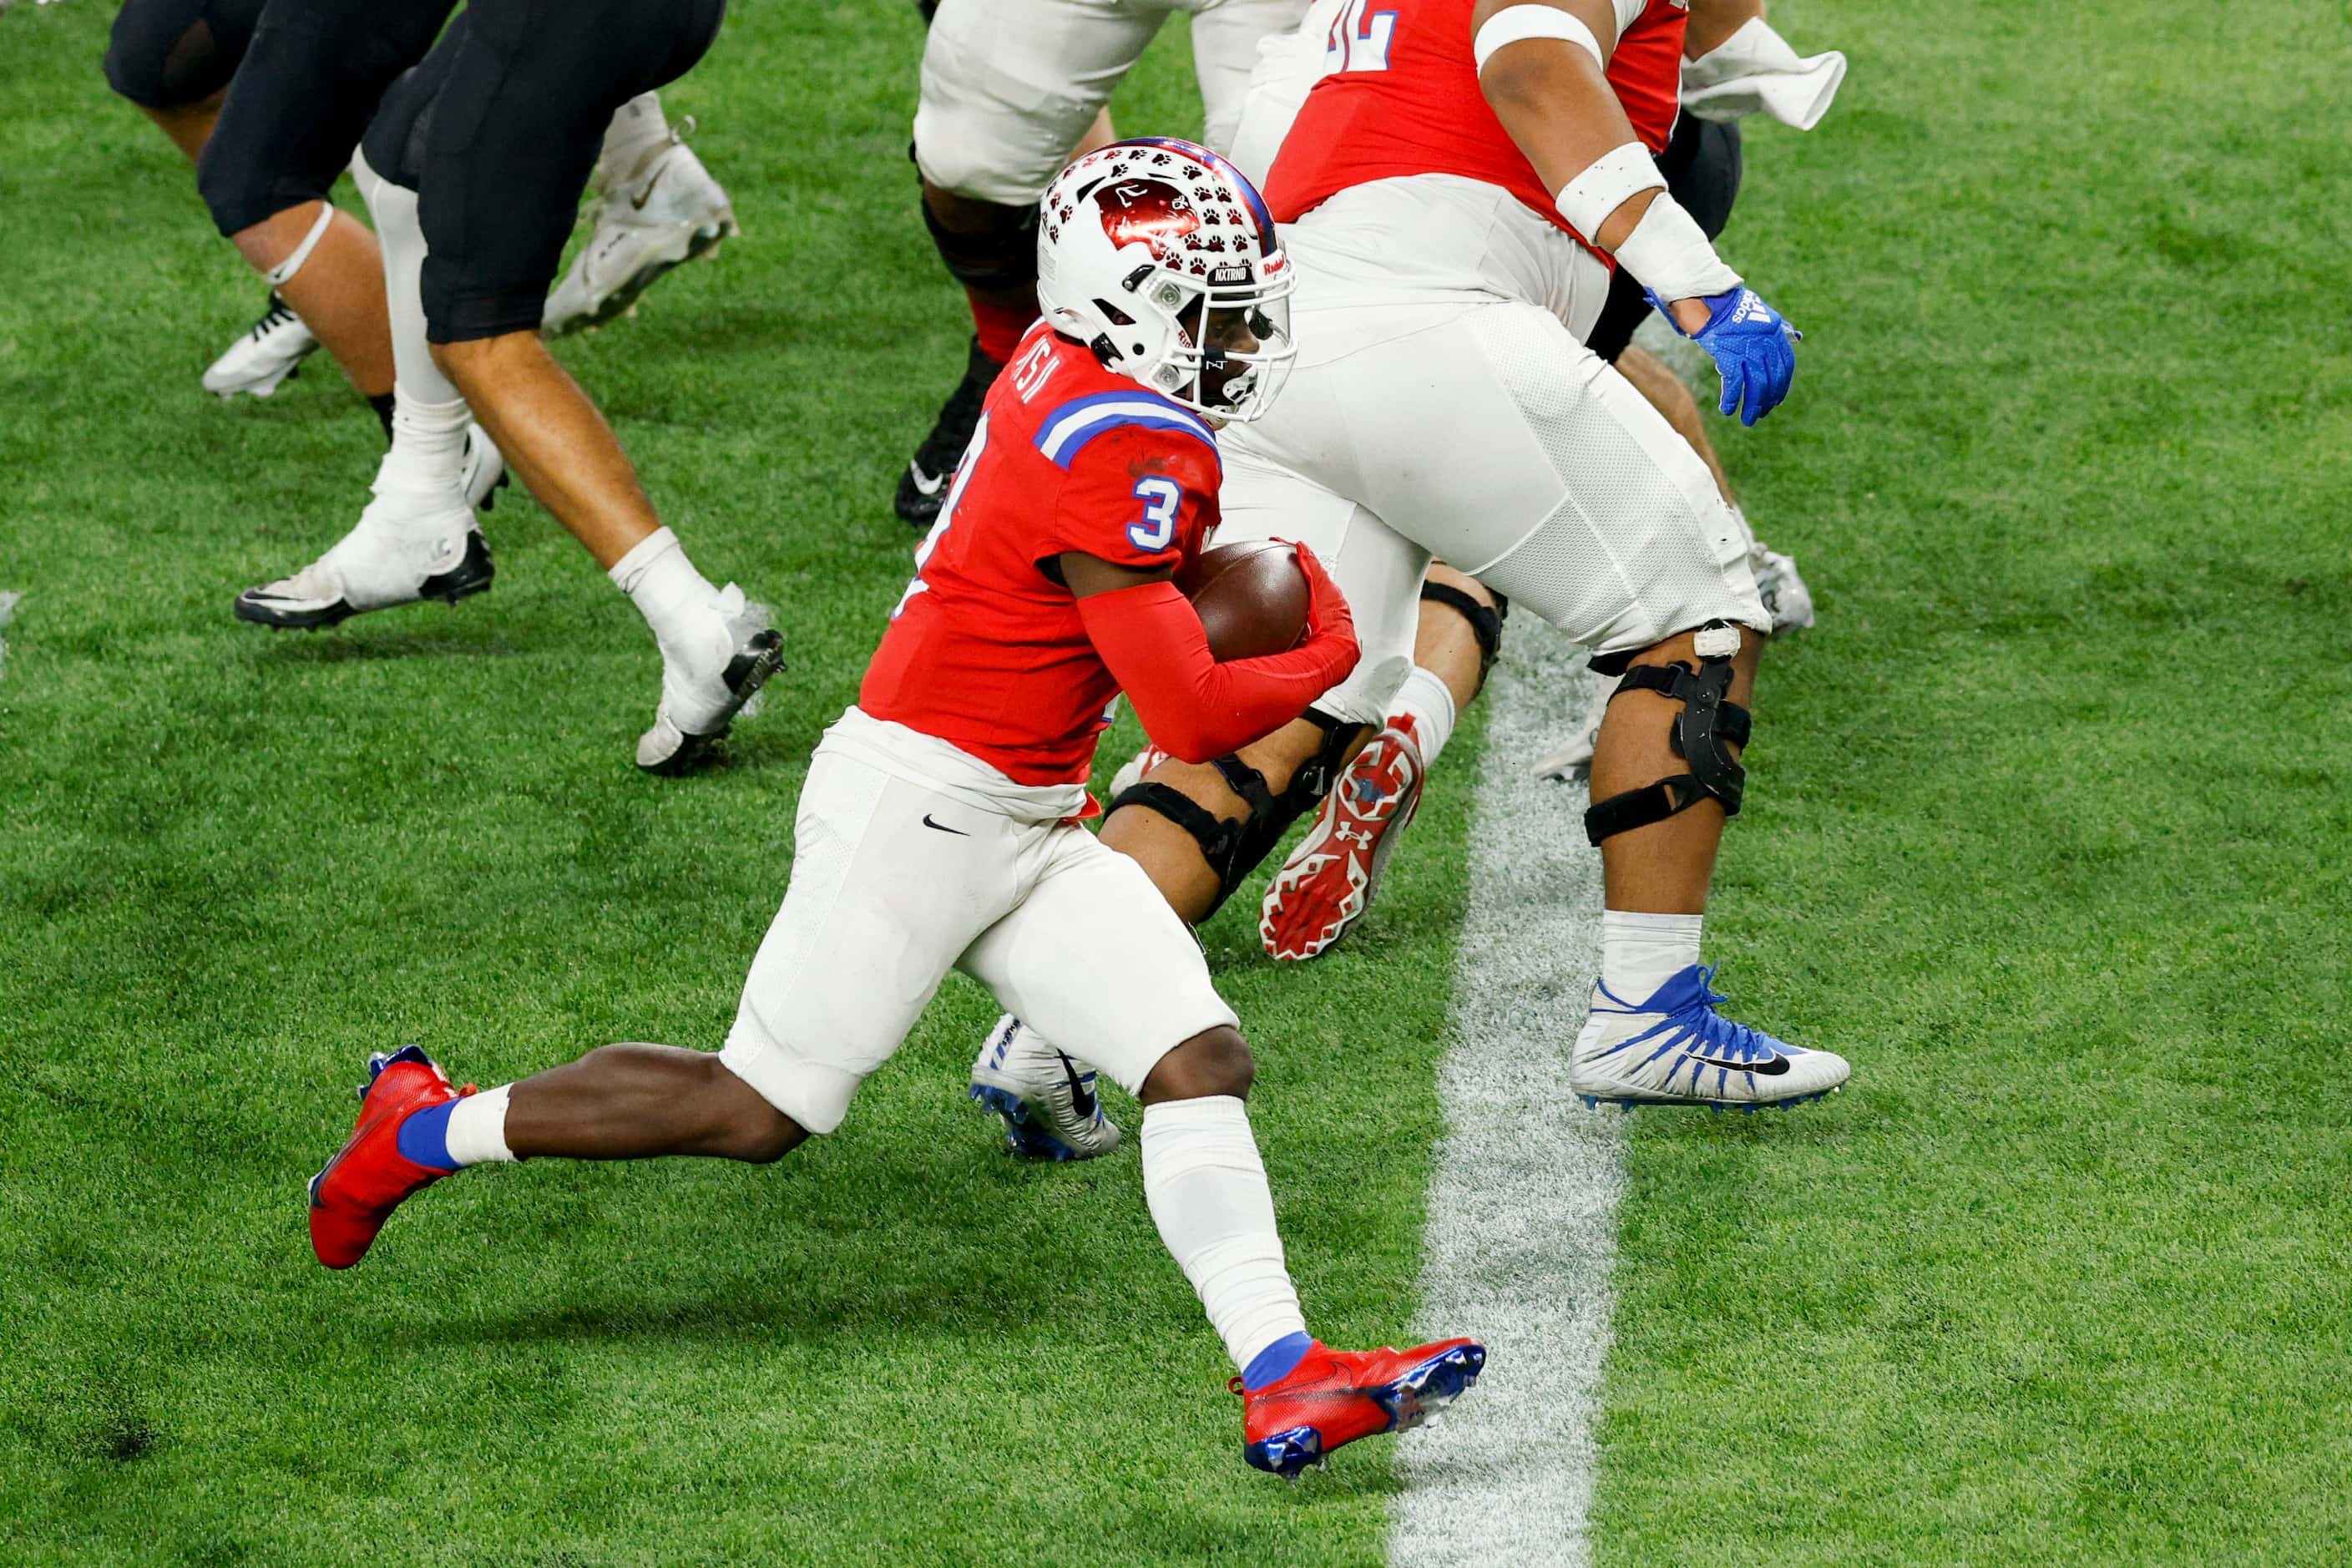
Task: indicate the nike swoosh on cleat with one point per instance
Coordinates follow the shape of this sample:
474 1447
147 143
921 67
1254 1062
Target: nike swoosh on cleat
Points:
637 202
1771 1068
926 483
943 827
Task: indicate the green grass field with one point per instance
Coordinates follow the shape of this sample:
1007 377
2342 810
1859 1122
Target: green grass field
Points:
2047 830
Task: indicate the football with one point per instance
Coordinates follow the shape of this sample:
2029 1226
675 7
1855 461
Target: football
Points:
1251 598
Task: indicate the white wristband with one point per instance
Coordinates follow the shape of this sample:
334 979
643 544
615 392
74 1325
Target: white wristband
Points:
1668 253
1606 184
1514 23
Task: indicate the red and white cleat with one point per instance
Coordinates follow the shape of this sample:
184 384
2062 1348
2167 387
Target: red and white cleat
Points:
367 1179
1131 772
1333 1397
1327 883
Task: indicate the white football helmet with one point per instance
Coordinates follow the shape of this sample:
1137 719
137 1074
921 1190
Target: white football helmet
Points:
1161 257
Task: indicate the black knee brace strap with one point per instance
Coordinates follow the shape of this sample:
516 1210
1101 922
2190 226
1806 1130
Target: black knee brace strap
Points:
1703 735
1234 845
1485 620
1001 258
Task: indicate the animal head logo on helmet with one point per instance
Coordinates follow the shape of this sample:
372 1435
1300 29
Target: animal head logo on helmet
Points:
1161 257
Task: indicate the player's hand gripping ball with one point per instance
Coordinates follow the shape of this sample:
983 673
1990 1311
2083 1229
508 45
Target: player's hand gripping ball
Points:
1252 598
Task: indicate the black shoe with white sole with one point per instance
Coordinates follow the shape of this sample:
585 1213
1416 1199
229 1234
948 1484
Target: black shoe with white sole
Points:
923 488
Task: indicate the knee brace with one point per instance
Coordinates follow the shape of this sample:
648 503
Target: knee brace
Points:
1703 735
1234 845
1002 257
1485 620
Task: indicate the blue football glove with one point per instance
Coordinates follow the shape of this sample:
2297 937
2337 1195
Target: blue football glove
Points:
1753 348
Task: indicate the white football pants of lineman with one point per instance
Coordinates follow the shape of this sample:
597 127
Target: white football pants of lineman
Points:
1009 86
1428 417
913 857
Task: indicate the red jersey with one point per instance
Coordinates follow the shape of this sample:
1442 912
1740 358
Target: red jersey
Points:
1400 97
986 651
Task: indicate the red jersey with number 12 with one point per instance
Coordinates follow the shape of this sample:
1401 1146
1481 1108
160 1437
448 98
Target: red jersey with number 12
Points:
1401 97
986 651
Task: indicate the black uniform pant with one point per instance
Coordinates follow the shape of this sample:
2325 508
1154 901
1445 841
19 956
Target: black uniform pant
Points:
496 126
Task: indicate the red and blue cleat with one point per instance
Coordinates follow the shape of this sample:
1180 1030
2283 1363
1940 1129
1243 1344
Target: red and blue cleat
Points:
1333 1397
368 1177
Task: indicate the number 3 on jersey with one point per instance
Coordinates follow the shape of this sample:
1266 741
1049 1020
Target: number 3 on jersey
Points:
1160 498
947 514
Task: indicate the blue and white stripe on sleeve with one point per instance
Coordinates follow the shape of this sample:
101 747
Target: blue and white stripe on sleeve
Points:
1065 432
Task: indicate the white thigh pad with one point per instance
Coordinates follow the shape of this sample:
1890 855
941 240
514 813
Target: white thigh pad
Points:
1093 959
1226 39
1376 569
1009 86
878 908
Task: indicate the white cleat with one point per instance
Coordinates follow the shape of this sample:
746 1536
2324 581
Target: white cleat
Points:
708 687
1675 1049
665 212
1131 772
407 546
271 351
485 473
1572 761
1783 591
1046 1098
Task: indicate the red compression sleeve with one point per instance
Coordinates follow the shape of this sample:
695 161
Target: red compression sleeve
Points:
1190 703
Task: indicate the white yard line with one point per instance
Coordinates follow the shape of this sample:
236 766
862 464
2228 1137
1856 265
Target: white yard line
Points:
1523 1193
8 602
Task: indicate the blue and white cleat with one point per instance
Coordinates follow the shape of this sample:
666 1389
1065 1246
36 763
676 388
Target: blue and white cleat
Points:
1046 1098
1675 1049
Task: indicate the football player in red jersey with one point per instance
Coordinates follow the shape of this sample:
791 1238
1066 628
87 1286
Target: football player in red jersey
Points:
939 828
1458 187
1734 64
1009 87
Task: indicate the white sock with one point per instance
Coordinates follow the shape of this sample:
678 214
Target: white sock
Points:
1429 703
400 232
636 129
428 444
667 590
476 1132
1641 952
1207 1189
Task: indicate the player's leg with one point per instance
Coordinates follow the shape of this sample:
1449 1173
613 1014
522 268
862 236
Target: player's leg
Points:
1009 87
1638 557
1331 876
1198 830
1095 956
1226 39
303 92
500 158
656 208
874 916
174 59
